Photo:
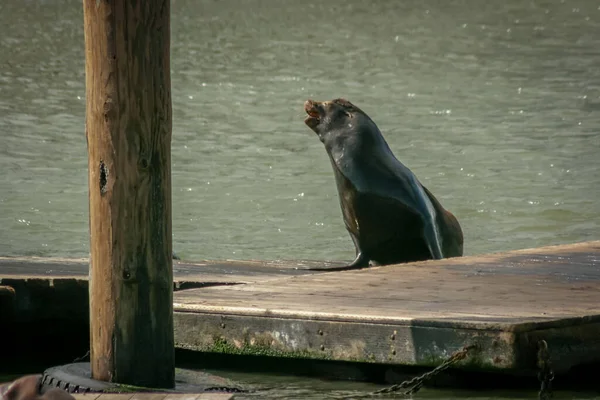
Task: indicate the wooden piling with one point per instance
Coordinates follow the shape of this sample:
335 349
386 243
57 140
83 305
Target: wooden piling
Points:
128 129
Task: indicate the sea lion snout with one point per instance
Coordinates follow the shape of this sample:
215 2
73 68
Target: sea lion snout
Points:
314 110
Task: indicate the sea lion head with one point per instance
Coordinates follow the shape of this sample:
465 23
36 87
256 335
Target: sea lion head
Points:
336 118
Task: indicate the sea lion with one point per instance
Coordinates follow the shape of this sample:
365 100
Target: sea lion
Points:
28 388
391 217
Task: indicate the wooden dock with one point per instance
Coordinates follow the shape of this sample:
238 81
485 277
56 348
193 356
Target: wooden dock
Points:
410 314
186 274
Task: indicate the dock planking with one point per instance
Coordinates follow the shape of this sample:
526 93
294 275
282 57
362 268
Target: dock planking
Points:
412 314
185 274
57 288
407 314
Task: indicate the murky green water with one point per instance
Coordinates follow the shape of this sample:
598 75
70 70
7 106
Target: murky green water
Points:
494 105
285 387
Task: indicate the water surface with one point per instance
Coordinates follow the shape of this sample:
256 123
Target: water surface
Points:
494 105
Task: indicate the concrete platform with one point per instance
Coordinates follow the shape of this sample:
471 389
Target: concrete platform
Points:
57 288
185 274
412 314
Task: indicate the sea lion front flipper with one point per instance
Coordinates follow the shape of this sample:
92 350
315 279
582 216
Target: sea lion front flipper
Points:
361 261
394 180
431 231
431 238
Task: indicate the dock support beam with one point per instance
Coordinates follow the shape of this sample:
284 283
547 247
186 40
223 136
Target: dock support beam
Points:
128 129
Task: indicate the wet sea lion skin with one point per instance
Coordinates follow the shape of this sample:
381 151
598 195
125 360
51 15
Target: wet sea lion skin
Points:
390 216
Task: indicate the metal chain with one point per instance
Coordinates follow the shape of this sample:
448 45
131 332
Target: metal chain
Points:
417 382
546 375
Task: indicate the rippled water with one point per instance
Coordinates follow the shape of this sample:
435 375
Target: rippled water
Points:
494 105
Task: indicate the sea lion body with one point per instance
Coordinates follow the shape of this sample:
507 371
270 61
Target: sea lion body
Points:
390 216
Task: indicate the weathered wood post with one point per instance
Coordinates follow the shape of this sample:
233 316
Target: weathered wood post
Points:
128 129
